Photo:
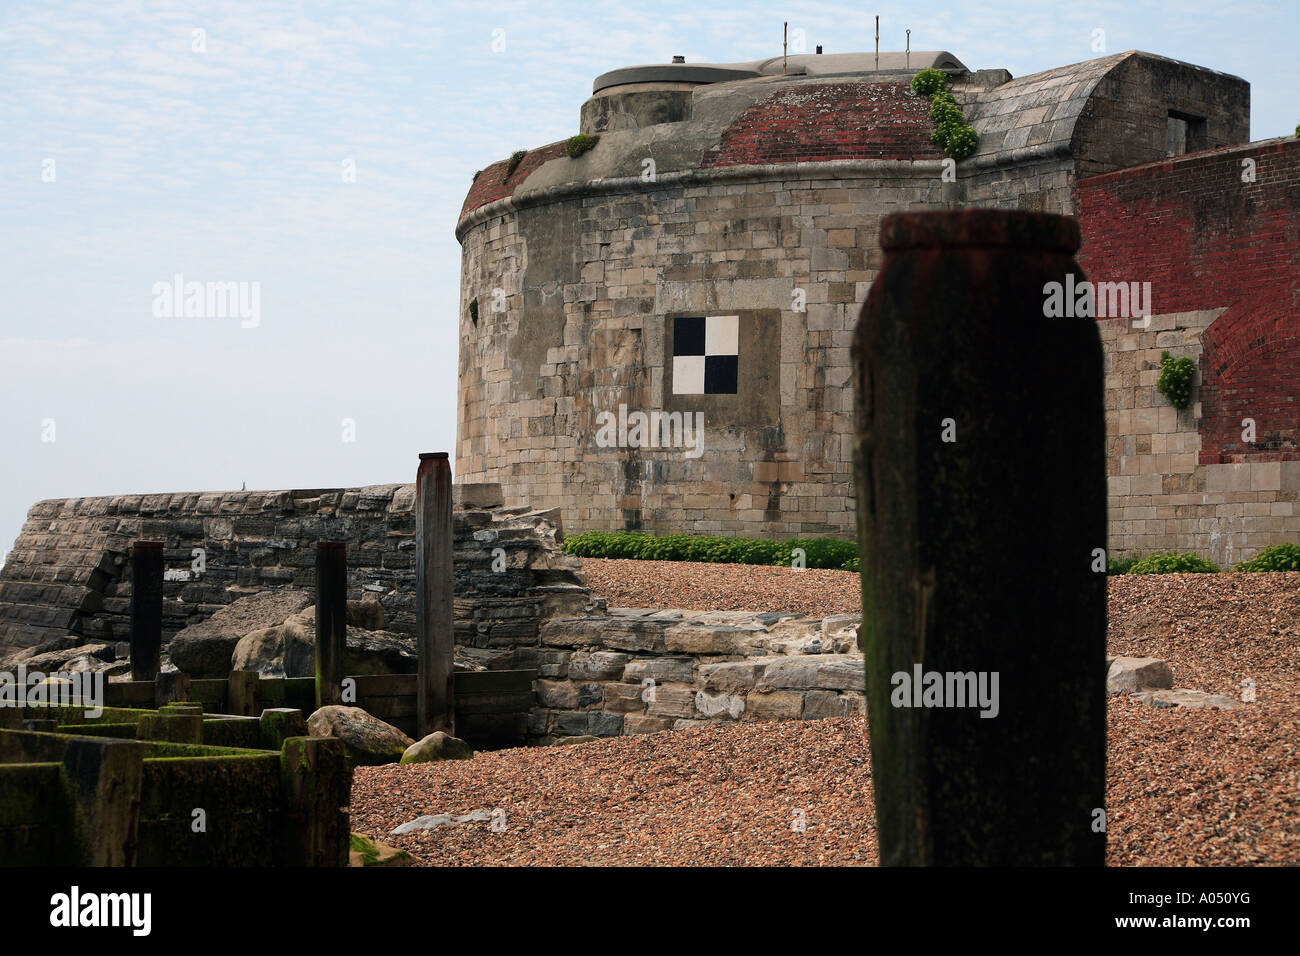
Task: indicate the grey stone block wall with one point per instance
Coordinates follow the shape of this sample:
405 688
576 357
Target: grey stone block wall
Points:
69 570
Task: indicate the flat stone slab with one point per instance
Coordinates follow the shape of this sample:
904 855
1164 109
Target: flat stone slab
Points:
429 821
1186 699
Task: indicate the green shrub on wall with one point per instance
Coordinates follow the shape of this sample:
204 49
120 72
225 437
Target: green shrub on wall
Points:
1280 557
1175 381
577 145
512 164
951 132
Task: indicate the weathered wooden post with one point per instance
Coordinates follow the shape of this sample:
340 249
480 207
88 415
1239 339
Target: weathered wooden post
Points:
433 587
331 620
981 498
146 608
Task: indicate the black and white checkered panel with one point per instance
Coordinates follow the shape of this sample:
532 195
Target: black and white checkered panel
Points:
706 354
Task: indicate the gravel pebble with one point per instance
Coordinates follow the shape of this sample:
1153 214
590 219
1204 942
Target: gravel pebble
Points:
1183 787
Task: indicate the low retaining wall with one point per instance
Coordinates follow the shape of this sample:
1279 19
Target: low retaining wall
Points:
640 671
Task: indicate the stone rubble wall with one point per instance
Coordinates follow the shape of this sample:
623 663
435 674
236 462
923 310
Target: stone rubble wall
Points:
69 570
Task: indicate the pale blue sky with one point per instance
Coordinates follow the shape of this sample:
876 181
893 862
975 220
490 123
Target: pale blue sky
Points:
225 165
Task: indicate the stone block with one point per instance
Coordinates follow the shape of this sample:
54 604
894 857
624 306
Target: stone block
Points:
671 700
597 665
559 694
734 677
826 671
639 724
660 670
777 705
720 705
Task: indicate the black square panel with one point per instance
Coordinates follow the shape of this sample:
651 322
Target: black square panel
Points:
688 335
721 373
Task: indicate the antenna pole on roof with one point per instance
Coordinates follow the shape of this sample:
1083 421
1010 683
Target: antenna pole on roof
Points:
908 62
877 41
785 44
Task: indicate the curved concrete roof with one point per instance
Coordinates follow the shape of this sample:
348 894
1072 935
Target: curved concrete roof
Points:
1036 112
801 64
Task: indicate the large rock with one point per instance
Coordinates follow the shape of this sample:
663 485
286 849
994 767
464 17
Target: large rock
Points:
206 649
437 746
1128 675
369 741
289 650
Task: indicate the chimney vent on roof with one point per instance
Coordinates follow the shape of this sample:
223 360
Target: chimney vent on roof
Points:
679 59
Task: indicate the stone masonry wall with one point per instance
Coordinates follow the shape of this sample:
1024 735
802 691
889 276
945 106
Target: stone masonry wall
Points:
587 288
642 671
69 570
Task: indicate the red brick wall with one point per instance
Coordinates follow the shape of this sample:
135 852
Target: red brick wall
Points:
491 183
825 121
1205 239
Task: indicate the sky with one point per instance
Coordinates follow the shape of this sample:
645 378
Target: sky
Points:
317 155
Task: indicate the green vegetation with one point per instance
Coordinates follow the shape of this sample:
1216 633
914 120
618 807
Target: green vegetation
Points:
1172 562
1175 381
513 162
818 552
577 145
1280 557
951 134
1120 565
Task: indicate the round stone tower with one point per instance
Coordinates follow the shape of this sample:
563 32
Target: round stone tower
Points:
655 332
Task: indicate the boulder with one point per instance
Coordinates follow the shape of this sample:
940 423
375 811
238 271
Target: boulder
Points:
437 746
1127 675
289 650
369 741
286 650
205 650
367 614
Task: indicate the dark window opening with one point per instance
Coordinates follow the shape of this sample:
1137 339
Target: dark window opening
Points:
1185 134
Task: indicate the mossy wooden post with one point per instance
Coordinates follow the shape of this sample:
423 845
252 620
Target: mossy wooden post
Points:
331 620
316 788
433 595
146 608
981 503
103 779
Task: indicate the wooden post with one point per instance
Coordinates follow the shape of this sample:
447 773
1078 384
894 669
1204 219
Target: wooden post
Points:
981 508
433 588
331 620
146 608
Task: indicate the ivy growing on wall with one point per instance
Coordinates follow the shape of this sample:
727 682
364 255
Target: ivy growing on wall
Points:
951 134
1175 381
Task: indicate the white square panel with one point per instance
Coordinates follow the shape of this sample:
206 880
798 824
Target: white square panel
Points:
688 374
722 335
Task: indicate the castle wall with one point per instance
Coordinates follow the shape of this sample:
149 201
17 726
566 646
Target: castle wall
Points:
591 285
1223 259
